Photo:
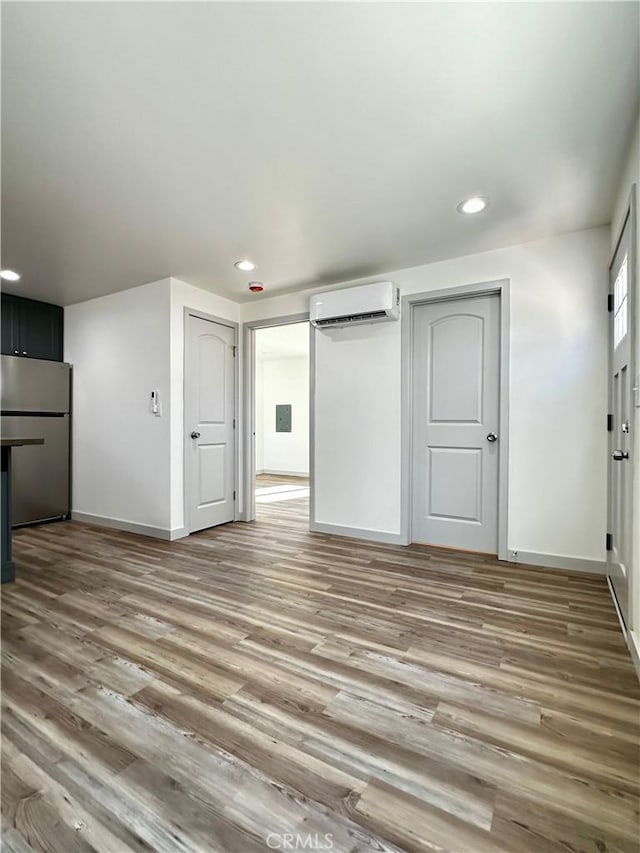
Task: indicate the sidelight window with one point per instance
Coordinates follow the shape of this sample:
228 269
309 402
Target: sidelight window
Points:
620 304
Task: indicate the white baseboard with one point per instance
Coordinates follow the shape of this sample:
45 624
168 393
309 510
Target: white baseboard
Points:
283 473
614 598
178 533
555 561
532 558
357 533
130 526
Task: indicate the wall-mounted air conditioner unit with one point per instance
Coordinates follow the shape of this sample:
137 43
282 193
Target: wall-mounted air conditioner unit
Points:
367 303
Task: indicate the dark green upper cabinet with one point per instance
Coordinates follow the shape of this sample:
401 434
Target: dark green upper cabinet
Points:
31 329
9 314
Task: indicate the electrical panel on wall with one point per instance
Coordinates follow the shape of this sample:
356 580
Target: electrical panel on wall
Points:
283 418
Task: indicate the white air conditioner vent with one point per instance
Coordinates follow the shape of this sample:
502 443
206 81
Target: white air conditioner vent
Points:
367 303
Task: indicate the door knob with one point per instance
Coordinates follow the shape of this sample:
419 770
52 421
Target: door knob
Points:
195 434
619 454
492 437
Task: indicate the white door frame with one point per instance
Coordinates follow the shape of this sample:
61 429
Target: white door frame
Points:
186 474
629 218
501 287
249 403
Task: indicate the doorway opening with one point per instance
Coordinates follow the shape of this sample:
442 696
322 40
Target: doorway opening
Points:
281 426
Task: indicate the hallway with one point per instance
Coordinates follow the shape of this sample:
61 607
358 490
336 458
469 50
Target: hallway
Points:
282 500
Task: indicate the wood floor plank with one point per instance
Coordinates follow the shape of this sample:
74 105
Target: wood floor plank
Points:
413 825
58 797
519 824
537 743
198 695
286 763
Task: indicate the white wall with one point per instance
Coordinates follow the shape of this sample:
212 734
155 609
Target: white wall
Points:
183 296
127 464
282 380
558 400
357 432
631 175
118 346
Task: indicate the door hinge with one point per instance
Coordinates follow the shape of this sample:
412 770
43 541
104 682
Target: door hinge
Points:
234 495
609 542
610 302
234 423
235 349
609 423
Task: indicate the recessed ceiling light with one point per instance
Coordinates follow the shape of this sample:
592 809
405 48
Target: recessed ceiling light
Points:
473 205
9 275
245 266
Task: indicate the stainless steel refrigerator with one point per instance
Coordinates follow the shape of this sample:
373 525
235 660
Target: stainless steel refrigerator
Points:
35 403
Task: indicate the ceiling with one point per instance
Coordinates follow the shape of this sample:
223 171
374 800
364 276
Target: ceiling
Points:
325 141
291 341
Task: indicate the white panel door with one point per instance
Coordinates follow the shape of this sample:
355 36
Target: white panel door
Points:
620 436
456 402
209 423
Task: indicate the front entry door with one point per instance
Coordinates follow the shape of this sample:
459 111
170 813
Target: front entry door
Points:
456 403
209 423
620 436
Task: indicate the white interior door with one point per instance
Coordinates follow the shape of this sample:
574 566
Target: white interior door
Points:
456 402
209 423
620 434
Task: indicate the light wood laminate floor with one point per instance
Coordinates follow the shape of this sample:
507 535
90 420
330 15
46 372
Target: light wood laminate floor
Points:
252 681
286 512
